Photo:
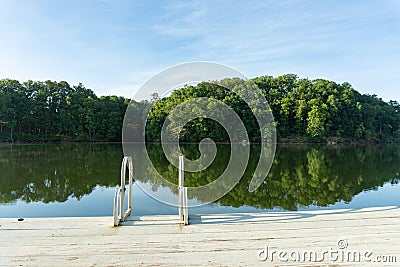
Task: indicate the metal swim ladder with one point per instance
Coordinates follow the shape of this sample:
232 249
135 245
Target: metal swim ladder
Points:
119 213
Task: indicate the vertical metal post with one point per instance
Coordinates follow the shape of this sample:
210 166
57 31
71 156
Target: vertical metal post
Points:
122 190
182 197
115 211
185 207
130 184
181 178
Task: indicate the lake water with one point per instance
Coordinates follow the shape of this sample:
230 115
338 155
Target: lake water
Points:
80 179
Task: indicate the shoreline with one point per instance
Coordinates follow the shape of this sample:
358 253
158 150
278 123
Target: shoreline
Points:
285 141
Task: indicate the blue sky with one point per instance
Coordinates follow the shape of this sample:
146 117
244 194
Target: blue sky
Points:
113 46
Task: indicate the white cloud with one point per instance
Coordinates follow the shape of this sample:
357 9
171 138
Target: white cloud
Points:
113 46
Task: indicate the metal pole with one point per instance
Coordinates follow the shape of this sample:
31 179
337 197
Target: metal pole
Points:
181 179
122 192
130 183
185 207
115 212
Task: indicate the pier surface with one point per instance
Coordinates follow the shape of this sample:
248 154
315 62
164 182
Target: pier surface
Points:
337 237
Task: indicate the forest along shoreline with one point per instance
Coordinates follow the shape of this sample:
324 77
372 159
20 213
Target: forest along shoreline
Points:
305 112
283 141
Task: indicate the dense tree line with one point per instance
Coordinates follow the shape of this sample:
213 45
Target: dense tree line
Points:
320 108
198 129
35 111
303 109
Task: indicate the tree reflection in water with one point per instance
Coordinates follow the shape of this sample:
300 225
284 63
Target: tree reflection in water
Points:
300 176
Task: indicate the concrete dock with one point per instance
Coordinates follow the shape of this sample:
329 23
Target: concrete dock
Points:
347 237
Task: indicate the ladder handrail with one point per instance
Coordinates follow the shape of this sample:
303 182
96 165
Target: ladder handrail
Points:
182 197
120 214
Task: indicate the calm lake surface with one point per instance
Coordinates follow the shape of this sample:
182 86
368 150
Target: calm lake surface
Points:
80 179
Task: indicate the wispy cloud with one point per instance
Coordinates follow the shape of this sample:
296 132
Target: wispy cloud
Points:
115 44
